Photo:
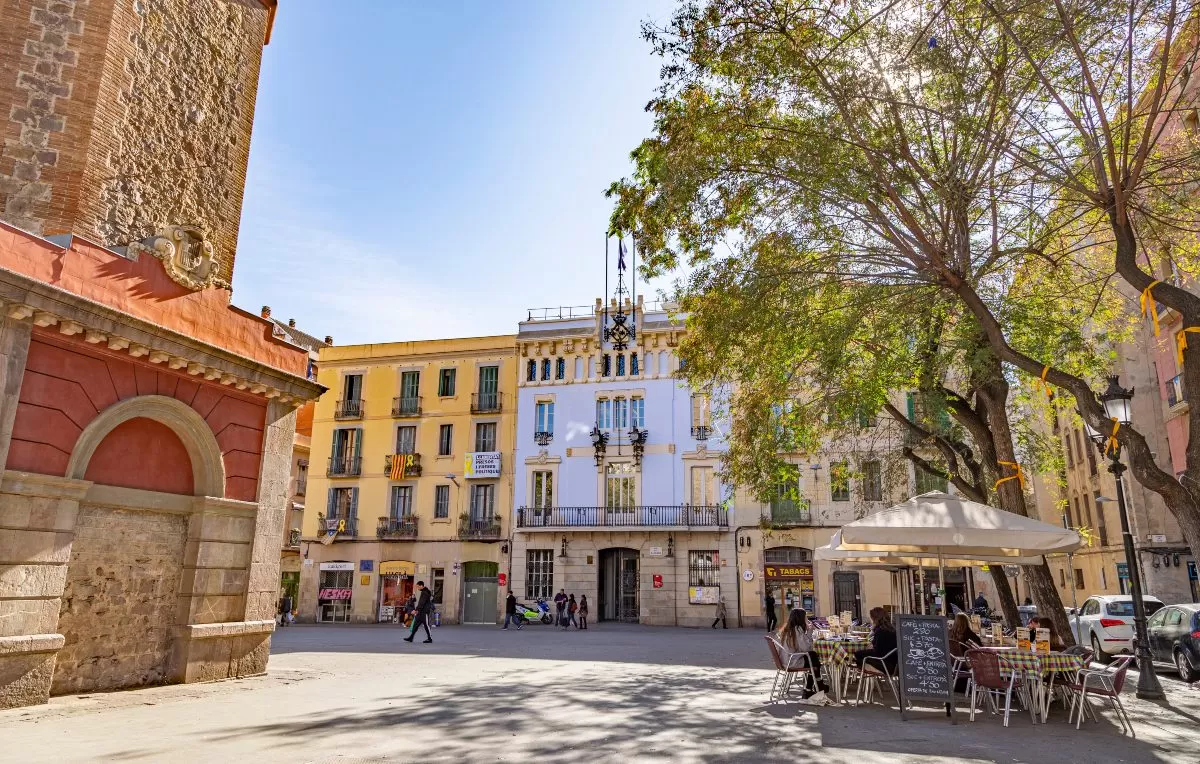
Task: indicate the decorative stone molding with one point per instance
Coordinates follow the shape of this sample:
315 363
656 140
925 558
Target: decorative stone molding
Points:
208 468
227 629
186 254
31 643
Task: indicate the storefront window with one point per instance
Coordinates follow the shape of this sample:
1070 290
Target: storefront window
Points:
336 585
395 588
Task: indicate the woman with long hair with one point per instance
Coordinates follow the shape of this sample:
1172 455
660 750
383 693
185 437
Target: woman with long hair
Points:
962 636
883 641
796 636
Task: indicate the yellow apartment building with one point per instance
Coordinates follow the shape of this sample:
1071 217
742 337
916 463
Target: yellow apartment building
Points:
410 480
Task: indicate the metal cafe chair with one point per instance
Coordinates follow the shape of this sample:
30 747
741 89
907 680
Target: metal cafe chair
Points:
874 670
1106 683
987 678
785 671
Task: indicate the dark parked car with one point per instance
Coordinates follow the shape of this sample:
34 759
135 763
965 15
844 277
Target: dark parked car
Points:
1174 634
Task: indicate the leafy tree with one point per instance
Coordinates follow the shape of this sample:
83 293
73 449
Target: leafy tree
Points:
846 149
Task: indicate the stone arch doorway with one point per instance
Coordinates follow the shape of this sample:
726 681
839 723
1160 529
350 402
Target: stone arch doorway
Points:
147 457
618 590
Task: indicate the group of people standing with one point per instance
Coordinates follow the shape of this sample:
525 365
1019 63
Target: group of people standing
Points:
568 611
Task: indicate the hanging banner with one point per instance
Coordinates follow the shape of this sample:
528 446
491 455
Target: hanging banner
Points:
482 464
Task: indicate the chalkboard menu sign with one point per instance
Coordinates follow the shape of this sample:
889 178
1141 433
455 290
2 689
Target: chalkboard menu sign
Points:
924 658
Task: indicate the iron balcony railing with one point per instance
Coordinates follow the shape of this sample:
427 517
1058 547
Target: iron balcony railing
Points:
701 432
406 406
411 467
344 525
1176 393
790 513
543 438
480 529
344 466
485 403
404 527
685 515
349 408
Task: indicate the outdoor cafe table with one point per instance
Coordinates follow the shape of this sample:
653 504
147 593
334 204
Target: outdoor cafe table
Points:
1033 665
837 655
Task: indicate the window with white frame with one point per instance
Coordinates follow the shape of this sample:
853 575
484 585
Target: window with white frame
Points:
539 573
620 413
637 412
703 488
543 489
544 417
620 487
406 439
604 414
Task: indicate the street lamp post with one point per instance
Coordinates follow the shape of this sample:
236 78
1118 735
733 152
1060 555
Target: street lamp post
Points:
1116 400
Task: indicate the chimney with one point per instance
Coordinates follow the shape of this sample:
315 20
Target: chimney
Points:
328 339
292 323
266 311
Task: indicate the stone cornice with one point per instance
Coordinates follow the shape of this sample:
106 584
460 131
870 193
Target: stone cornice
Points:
47 306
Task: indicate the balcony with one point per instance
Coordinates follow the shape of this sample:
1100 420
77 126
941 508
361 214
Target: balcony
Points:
350 408
344 525
786 513
485 403
391 528
410 469
543 438
701 432
479 529
677 516
344 466
409 405
1176 393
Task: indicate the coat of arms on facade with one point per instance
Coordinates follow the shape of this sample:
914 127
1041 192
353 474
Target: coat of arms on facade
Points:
186 254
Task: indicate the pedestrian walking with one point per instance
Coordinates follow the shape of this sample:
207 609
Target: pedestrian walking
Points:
720 614
510 609
572 608
285 610
583 611
560 605
769 603
421 613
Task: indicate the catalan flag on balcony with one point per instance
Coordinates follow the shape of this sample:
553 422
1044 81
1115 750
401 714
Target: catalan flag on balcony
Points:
400 465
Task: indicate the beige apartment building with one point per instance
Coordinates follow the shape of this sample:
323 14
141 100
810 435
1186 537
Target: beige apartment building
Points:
410 480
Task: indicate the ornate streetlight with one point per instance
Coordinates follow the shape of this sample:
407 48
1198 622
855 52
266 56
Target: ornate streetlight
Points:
1117 404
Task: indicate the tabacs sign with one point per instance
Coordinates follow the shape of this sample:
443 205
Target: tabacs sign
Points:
482 464
787 571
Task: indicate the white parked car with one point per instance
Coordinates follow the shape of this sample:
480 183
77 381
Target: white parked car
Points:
1105 622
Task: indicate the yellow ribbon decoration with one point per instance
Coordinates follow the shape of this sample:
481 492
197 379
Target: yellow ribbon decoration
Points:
1045 386
1112 445
1181 343
1147 301
1019 476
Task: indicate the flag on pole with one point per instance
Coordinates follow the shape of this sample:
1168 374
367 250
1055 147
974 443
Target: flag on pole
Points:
620 254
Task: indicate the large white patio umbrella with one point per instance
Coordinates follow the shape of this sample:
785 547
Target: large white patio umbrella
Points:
945 526
903 562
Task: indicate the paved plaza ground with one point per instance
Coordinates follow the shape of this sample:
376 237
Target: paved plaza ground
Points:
612 693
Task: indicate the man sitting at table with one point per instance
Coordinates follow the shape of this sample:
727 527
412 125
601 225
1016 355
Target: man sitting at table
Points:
883 642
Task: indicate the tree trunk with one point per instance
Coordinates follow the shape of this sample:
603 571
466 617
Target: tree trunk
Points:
1008 602
1049 603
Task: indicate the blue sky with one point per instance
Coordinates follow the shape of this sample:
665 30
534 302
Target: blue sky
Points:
424 170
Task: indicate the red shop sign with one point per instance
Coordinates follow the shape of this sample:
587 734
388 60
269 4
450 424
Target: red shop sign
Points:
657 581
334 594
502 579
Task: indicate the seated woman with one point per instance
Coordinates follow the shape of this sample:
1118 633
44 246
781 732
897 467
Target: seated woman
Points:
883 641
1056 643
962 636
796 636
